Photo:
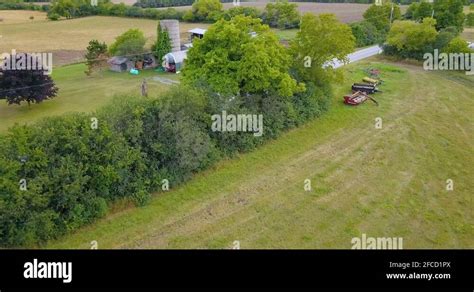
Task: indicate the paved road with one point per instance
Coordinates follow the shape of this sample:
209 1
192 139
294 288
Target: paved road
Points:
358 55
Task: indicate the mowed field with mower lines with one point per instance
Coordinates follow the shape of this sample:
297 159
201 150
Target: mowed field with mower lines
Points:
388 182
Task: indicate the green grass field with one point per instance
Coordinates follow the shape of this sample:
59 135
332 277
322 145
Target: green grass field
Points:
388 182
78 92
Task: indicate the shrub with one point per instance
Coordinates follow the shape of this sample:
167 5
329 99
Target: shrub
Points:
53 16
311 103
443 39
409 39
457 45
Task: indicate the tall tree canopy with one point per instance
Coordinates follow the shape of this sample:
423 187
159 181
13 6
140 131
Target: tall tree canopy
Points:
320 39
449 13
380 15
240 56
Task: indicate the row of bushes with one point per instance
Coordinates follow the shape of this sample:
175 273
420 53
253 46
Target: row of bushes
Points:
280 14
167 3
73 171
82 8
23 6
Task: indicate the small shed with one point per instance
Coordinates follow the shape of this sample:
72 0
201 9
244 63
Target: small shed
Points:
120 64
196 33
173 62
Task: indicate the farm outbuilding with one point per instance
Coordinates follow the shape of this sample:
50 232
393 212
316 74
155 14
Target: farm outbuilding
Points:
173 62
120 64
124 64
196 33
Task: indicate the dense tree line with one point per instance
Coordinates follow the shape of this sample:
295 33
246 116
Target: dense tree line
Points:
81 8
402 2
446 12
168 3
22 6
428 27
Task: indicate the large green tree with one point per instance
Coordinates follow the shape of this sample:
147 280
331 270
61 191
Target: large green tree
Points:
380 15
321 39
412 36
96 56
449 13
425 9
366 33
240 56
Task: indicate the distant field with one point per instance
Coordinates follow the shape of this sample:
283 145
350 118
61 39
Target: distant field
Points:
68 39
20 16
